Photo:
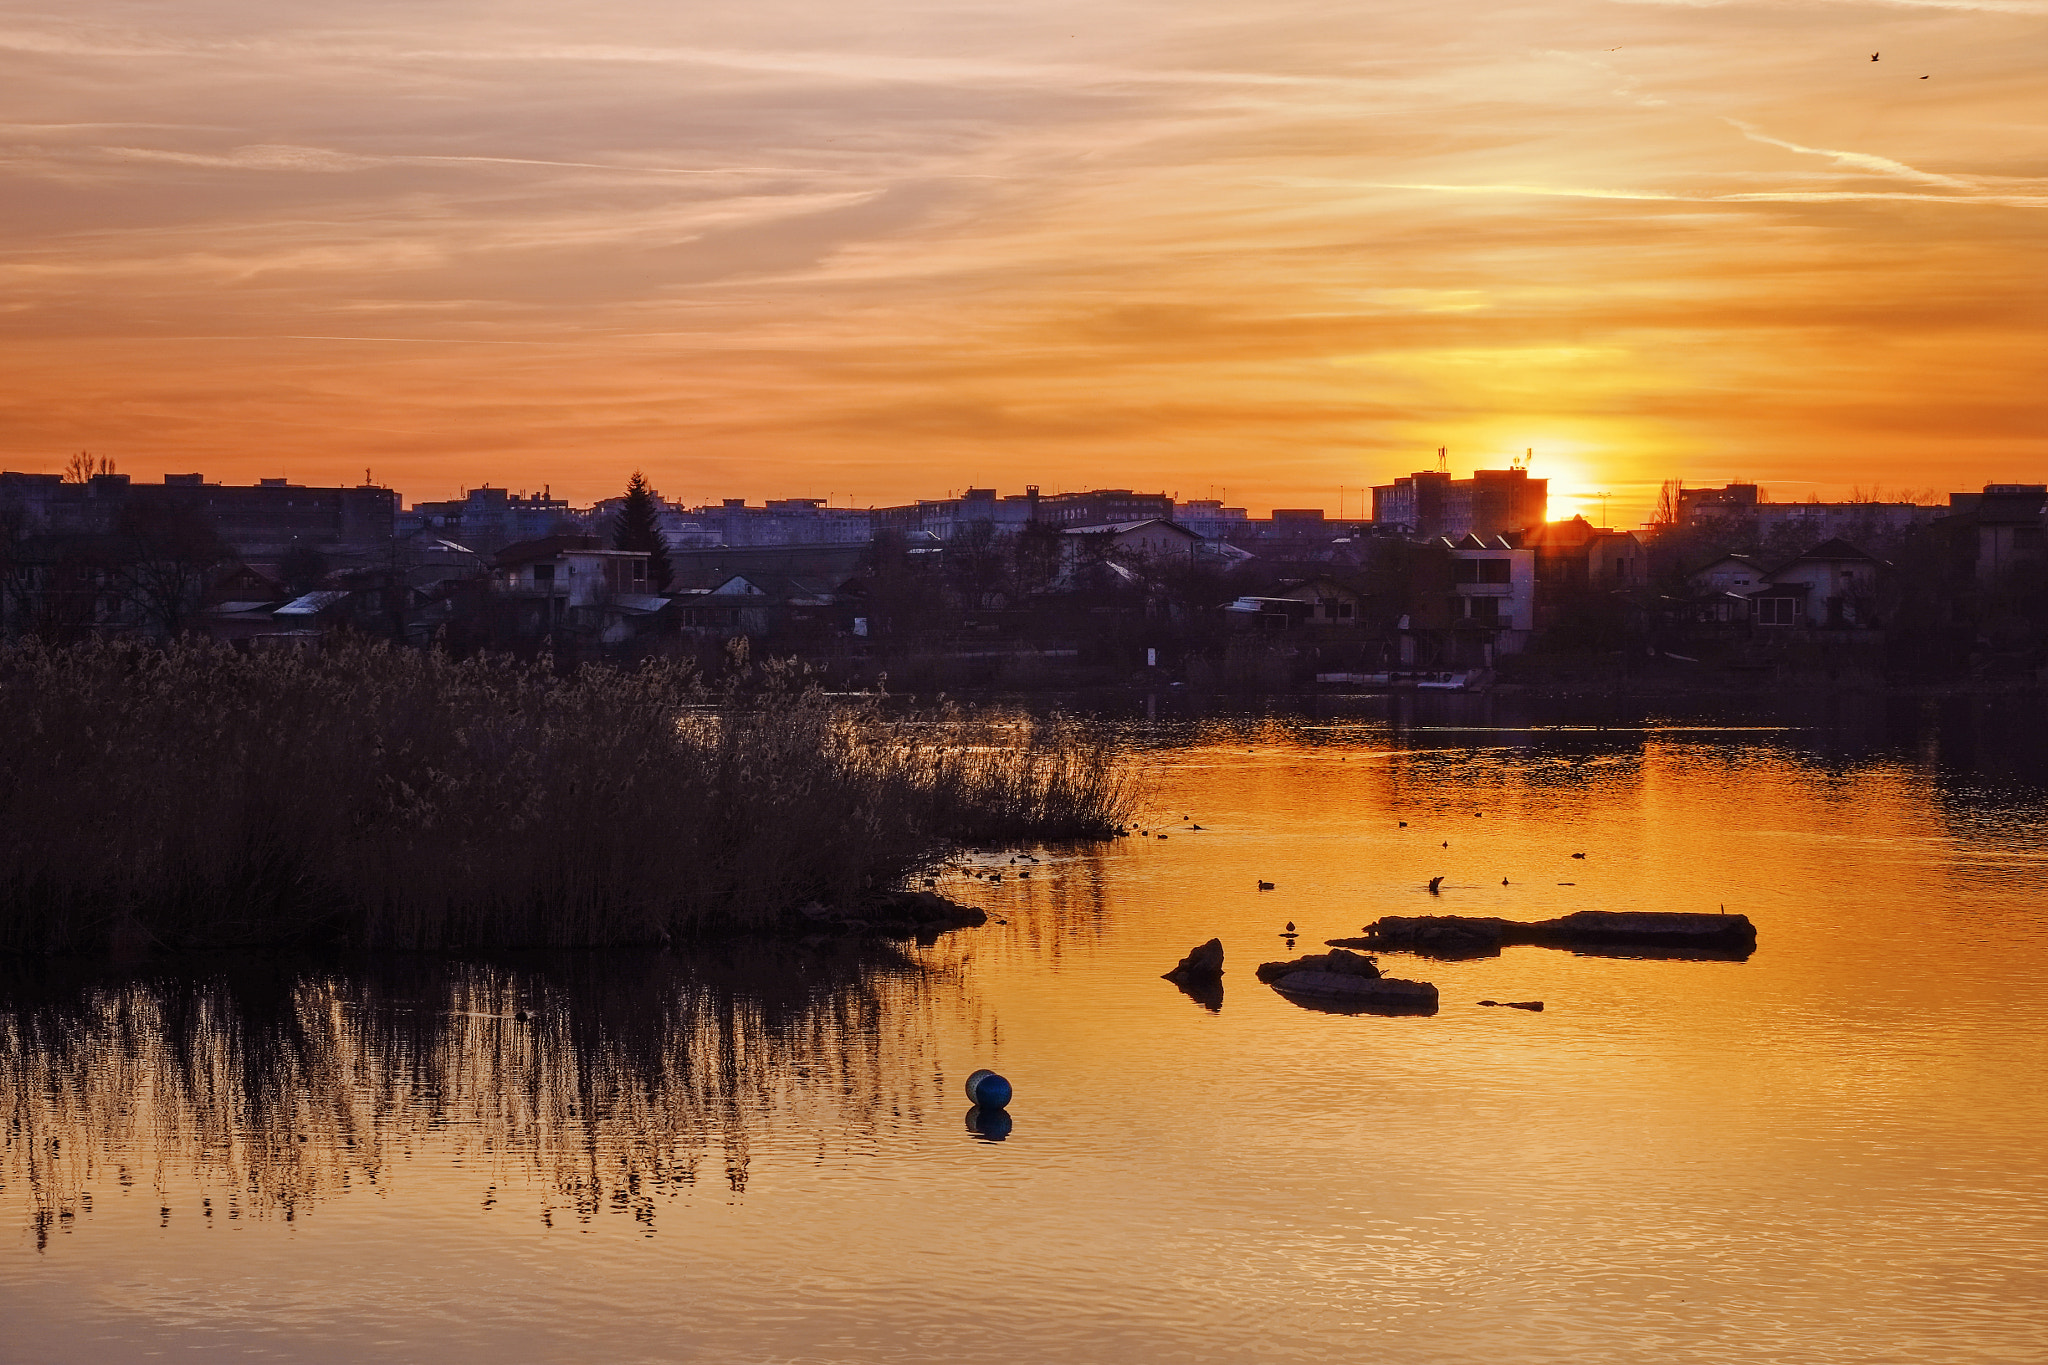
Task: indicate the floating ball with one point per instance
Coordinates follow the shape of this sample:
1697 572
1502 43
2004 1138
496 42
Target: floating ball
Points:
986 1088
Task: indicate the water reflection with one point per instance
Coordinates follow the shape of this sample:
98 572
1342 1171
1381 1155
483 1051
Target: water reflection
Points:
1984 741
1816 1153
989 1124
257 1087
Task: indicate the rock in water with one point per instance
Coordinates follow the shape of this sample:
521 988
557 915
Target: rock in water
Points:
1378 994
1339 962
1345 982
1201 964
1637 933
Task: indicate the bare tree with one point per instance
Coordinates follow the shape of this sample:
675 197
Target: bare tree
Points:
1667 503
976 563
165 552
85 465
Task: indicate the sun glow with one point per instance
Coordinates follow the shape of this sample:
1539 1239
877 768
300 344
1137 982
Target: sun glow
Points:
1296 251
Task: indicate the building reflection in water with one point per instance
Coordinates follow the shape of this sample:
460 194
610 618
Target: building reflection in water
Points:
249 1087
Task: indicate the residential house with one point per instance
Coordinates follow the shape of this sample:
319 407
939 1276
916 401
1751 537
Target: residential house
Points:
757 605
1331 603
1721 591
570 584
1730 573
1577 554
1153 542
1832 586
1272 614
1492 597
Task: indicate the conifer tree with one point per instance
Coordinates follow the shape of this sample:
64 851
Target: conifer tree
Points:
637 528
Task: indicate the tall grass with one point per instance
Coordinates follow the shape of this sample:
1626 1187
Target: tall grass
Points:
196 795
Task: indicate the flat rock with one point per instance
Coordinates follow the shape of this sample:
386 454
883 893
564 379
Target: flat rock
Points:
1656 932
1379 993
1339 962
1645 926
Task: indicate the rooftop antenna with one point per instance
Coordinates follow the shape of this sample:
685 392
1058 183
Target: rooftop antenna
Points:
1603 509
1443 459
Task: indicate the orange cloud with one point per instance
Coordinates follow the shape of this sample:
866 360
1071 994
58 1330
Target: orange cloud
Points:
792 250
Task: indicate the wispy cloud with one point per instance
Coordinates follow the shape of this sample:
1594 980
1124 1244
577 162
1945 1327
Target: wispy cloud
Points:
1751 197
280 157
253 158
917 241
1858 161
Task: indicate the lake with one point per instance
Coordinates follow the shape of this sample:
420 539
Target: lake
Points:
1834 1150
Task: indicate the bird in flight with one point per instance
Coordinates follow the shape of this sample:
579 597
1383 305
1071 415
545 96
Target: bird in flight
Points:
1873 56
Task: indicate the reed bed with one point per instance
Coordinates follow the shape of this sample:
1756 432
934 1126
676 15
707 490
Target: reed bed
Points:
195 795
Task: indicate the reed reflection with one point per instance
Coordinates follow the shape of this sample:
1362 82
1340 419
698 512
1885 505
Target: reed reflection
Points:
258 1088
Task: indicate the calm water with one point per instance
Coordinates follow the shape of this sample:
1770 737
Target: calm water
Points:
1836 1150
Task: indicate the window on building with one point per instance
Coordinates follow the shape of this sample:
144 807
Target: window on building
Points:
1495 570
1776 611
543 575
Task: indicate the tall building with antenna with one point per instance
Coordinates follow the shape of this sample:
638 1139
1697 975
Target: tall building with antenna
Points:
1493 502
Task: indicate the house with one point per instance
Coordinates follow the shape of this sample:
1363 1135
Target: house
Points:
1720 592
1269 613
756 605
321 609
1330 602
1833 585
1154 541
1730 573
1492 597
569 583
1577 554
242 581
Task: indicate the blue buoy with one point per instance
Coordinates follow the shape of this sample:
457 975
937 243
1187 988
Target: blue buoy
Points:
987 1089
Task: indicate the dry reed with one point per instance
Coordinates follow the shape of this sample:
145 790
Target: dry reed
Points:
195 795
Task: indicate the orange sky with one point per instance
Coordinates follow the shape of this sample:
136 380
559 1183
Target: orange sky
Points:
885 250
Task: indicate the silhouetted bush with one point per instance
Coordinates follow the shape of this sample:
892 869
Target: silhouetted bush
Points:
193 794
